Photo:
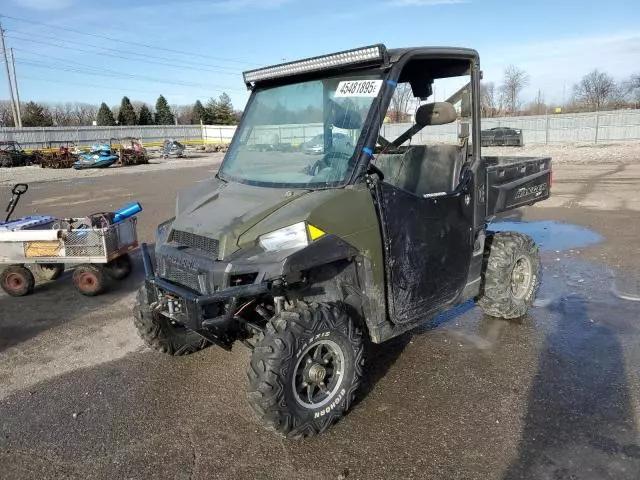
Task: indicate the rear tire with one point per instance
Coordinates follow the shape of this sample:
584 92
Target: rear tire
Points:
17 281
90 280
160 334
511 276
119 268
316 348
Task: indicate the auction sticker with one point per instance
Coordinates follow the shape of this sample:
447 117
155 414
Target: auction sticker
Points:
358 88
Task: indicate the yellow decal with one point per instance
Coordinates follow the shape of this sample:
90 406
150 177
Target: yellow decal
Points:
315 232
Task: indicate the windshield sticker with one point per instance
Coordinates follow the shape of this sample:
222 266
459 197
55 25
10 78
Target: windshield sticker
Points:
358 88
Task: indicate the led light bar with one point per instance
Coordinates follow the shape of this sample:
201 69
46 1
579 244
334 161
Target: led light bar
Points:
372 54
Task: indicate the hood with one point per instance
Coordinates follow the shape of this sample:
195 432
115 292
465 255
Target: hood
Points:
223 211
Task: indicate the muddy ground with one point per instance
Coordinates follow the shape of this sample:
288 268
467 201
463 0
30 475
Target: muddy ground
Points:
553 396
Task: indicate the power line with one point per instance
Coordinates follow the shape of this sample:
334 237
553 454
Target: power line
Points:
113 39
125 76
90 85
121 57
138 57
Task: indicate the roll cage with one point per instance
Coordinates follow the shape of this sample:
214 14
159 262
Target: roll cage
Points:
419 66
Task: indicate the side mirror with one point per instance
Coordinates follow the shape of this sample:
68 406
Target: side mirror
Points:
437 113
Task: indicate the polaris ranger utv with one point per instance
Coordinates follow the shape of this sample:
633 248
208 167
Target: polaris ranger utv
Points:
303 257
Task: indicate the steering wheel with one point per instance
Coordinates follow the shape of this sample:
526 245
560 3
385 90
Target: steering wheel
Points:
376 170
330 160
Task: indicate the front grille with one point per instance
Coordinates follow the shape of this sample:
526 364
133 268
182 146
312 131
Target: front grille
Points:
182 277
188 239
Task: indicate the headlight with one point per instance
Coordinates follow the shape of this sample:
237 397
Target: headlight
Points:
292 236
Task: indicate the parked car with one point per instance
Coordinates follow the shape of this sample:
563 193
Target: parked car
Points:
340 142
502 136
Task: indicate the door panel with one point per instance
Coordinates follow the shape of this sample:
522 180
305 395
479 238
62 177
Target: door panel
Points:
428 248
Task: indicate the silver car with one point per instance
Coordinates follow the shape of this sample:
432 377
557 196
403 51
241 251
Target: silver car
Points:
340 142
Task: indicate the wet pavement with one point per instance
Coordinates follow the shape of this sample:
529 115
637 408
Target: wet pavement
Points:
555 395
551 234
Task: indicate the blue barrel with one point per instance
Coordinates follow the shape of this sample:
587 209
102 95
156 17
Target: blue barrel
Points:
127 211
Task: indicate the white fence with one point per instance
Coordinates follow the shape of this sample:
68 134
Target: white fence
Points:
554 128
45 137
217 133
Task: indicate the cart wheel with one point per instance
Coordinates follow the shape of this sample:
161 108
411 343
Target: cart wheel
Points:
119 268
49 271
90 280
17 281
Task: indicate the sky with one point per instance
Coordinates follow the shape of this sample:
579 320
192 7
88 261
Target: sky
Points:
94 51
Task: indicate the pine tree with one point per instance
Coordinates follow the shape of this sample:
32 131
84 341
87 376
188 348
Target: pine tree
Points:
163 112
35 115
225 110
199 113
105 117
127 115
211 112
145 117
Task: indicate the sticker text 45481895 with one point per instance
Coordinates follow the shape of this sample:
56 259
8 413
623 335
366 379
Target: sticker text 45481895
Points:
358 88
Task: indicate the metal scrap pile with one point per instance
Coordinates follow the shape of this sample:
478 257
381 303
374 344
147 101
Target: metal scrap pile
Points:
218 147
12 155
131 152
61 158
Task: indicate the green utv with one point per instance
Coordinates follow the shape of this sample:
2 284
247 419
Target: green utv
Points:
302 254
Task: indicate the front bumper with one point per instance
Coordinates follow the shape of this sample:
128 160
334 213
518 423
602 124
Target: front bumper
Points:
194 311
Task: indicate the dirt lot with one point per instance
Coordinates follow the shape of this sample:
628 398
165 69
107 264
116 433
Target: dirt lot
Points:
555 396
579 154
32 174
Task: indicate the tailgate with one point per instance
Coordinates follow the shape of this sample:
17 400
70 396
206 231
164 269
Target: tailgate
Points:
516 181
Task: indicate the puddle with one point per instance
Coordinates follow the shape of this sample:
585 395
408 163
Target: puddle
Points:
551 235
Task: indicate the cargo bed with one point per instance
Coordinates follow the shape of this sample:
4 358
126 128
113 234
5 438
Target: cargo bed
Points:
514 182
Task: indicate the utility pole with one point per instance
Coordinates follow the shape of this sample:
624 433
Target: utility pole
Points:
15 81
6 64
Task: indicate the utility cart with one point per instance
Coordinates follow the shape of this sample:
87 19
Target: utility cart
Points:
98 246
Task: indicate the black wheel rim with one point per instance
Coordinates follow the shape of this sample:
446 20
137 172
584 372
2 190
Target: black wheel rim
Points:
318 374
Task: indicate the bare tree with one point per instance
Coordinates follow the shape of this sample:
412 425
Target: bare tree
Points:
62 114
182 113
538 106
6 117
513 82
595 90
115 110
632 88
488 99
85 113
401 103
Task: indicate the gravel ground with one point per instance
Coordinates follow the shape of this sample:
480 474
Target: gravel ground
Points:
553 396
34 174
610 153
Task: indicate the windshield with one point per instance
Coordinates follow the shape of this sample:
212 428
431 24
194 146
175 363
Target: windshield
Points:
302 135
